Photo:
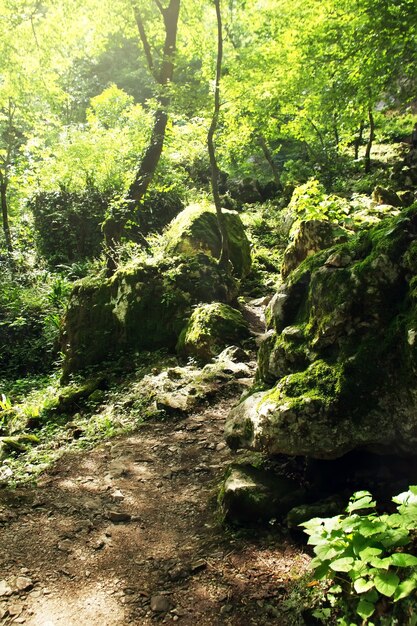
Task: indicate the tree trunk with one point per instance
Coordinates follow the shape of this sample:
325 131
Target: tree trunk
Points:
5 215
358 139
268 156
215 173
370 142
114 225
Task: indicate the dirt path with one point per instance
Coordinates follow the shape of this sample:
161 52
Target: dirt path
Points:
132 525
129 533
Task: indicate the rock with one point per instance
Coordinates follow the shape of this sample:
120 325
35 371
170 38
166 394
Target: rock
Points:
22 583
310 237
144 306
324 508
196 230
5 589
210 329
381 195
118 517
333 380
160 604
252 495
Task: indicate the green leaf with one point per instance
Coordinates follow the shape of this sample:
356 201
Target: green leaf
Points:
342 565
403 560
368 553
365 609
405 588
386 583
326 552
363 503
361 585
381 563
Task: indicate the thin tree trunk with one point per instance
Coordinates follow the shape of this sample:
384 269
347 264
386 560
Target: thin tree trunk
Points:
268 156
358 139
114 225
370 142
5 215
215 173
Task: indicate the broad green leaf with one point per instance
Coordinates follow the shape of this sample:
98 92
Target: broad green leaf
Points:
361 585
368 553
380 563
326 552
342 565
363 503
365 609
403 560
405 588
386 583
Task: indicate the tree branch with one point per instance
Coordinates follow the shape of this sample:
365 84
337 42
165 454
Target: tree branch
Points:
144 39
160 7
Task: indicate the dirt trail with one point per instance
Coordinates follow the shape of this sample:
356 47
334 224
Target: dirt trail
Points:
129 534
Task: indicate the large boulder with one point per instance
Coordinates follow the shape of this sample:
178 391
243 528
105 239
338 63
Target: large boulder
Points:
144 306
310 237
341 353
196 230
211 328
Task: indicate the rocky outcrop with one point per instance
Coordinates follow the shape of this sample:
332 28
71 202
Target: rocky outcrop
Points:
144 306
211 328
251 495
340 356
310 237
196 230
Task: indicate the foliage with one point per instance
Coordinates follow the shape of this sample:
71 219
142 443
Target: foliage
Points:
363 553
68 224
311 202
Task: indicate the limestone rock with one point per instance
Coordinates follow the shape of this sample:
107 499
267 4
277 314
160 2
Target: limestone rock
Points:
382 195
142 307
341 353
196 230
250 495
210 329
310 237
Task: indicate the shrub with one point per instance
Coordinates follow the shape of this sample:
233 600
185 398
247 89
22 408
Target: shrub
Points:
363 553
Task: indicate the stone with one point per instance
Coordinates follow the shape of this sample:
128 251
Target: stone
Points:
210 329
144 306
310 237
22 583
253 495
196 230
382 195
5 589
118 517
331 383
160 604
324 508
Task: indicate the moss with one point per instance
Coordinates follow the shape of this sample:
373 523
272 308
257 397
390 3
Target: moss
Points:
196 230
210 329
142 307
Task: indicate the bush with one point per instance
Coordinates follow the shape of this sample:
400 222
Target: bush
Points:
68 224
363 554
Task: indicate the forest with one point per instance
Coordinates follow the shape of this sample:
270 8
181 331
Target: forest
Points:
208 312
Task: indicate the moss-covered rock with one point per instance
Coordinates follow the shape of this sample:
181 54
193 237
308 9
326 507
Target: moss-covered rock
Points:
341 352
196 230
310 237
211 328
144 306
251 495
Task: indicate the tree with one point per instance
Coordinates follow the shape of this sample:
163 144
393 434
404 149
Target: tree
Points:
215 173
115 223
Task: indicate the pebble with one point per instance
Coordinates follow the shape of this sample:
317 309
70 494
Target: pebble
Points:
118 517
5 589
160 604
